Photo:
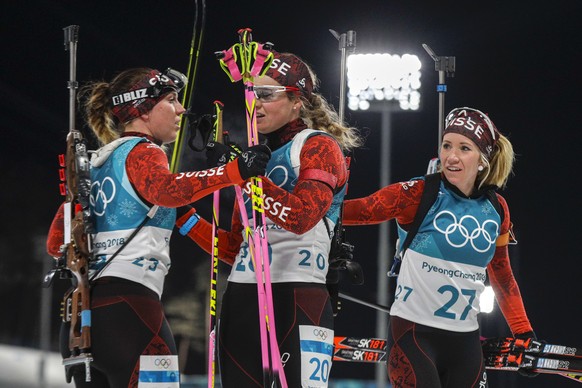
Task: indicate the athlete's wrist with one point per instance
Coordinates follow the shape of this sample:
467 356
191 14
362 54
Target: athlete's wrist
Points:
189 224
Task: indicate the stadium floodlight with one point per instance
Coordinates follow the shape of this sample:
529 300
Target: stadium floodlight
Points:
383 78
487 300
383 83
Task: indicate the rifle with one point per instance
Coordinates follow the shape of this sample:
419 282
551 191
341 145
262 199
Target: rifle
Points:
76 249
446 68
341 251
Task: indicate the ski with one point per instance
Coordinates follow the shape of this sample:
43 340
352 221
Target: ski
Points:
368 350
528 346
375 344
520 360
508 353
359 355
505 353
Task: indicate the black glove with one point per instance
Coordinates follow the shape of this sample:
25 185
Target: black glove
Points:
253 161
218 154
527 372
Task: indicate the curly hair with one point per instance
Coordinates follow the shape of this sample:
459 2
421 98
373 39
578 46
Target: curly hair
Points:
317 113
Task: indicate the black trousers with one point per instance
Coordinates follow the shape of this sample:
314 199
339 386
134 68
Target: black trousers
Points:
425 357
295 304
127 321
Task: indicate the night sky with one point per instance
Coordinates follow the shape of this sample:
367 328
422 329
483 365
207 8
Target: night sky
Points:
518 62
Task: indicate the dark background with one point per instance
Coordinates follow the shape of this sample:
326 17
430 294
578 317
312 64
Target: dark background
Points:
515 60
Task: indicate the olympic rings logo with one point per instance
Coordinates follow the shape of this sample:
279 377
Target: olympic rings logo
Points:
476 234
163 362
100 199
320 333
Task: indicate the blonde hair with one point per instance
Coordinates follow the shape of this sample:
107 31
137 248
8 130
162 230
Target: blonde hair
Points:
500 166
97 103
319 114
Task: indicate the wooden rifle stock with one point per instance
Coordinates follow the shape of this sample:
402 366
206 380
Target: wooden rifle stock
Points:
77 250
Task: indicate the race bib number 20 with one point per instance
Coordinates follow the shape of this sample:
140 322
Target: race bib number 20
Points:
316 354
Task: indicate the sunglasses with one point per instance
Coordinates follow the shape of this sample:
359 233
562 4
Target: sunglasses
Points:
169 80
270 93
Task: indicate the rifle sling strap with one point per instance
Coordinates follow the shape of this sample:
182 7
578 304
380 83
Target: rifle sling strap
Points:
432 183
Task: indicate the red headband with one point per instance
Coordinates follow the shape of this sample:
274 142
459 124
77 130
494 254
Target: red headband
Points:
475 125
289 70
146 93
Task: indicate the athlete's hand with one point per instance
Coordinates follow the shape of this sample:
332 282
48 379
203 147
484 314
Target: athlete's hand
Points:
253 162
218 154
527 372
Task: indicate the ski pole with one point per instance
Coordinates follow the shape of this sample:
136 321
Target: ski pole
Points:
262 60
373 305
218 109
244 61
193 61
